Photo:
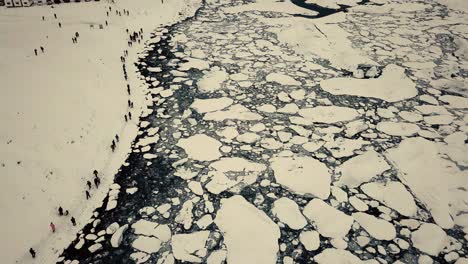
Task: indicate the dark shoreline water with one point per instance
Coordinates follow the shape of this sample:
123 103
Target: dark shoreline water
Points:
322 11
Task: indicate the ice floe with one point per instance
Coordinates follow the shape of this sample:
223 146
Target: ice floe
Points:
190 247
377 228
430 239
288 212
249 234
328 114
361 169
329 222
432 179
232 174
211 105
302 175
201 147
393 194
392 86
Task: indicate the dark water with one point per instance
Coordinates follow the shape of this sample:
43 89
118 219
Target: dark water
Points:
322 11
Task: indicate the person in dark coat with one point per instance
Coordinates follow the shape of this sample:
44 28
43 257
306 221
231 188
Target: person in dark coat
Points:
60 210
42 49
32 252
87 195
89 184
35 51
55 15
95 172
97 181
73 221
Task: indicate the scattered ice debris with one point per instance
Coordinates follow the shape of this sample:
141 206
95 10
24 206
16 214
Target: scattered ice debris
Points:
190 247
282 79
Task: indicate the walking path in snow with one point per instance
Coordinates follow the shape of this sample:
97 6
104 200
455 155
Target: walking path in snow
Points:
259 147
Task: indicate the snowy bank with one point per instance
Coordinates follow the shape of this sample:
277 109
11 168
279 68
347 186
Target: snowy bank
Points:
60 111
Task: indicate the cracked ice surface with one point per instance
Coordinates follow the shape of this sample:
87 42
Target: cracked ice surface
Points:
290 139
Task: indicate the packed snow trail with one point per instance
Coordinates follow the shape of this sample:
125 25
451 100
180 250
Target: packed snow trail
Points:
245 156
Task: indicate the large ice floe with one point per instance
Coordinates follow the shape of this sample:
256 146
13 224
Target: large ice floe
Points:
302 175
433 180
250 235
232 174
201 147
392 86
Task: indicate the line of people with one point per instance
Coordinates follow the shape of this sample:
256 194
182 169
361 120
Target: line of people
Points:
134 37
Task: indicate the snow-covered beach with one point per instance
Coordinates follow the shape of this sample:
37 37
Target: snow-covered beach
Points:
61 109
291 132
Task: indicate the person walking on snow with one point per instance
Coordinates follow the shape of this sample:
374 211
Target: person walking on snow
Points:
52 227
60 210
89 184
32 252
87 195
35 51
95 172
42 49
73 221
97 181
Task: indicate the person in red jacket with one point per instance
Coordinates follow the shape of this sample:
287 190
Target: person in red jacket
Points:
52 227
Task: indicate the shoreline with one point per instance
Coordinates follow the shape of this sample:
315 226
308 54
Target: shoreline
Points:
48 248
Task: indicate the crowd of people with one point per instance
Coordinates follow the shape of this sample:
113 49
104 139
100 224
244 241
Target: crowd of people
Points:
135 36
